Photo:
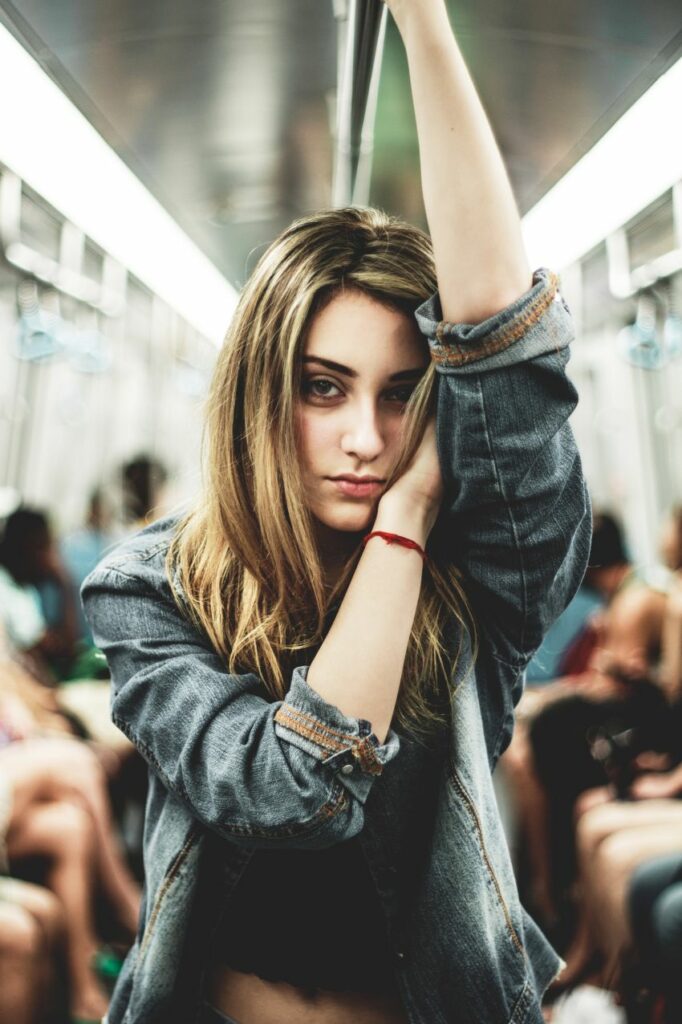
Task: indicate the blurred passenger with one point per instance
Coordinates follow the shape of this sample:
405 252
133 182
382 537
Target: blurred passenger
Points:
614 837
143 479
617 634
57 809
550 661
655 912
620 826
571 639
83 548
54 806
29 559
671 661
31 936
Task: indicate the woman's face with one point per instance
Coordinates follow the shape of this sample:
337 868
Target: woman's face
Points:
361 363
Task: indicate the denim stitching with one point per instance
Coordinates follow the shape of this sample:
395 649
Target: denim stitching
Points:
512 523
522 1004
165 886
327 728
457 353
310 728
478 828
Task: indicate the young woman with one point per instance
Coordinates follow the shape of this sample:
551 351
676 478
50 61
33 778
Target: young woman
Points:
321 711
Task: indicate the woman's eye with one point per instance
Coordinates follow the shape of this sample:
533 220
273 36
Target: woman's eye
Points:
320 388
323 388
401 395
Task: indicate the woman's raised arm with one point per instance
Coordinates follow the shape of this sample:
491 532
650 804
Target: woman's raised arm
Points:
473 220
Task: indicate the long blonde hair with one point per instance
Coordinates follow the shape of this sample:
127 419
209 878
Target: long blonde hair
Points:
245 558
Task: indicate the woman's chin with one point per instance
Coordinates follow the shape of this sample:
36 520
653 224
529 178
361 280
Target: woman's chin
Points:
351 520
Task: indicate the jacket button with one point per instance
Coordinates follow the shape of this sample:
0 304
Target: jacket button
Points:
400 954
347 769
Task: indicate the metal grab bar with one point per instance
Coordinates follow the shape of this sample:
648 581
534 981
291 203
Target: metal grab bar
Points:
362 27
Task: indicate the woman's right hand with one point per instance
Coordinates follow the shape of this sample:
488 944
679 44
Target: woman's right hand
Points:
419 490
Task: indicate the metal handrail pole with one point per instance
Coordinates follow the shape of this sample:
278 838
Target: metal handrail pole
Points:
363 25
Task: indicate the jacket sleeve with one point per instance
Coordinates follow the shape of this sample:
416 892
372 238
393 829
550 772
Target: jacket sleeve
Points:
517 516
293 773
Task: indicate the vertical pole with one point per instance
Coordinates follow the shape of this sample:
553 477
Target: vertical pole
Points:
362 27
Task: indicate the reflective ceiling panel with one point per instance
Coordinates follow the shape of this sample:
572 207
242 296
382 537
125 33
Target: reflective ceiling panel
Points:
223 107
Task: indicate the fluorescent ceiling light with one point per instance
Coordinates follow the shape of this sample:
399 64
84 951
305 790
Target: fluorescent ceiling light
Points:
48 143
637 160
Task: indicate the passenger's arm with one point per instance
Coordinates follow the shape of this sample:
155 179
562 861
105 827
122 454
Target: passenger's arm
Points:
473 220
671 644
519 521
633 626
360 663
518 518
291 773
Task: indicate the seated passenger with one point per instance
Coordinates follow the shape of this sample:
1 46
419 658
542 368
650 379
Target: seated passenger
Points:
569 643
655 912
83 548
142 481
29 560
613 835
56 809
617 645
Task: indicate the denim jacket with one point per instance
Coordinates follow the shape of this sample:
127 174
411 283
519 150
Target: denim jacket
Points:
232 771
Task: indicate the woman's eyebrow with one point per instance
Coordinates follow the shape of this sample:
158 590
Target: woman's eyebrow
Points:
346 370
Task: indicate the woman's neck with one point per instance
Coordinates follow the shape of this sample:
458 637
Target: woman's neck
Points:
335 547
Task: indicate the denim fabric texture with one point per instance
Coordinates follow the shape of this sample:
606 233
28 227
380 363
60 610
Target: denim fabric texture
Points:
232 772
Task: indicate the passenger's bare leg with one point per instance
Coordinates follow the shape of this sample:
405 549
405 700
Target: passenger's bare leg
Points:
21 980
45 910
66 769
62 832
655 829
590 830
87 779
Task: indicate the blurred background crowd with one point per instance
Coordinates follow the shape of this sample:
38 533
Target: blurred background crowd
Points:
72 787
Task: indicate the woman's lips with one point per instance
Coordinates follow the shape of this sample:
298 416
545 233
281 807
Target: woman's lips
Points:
358 489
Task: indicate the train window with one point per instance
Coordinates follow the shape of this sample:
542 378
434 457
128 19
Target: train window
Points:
93 262
41 228
652 233
597 302
139 302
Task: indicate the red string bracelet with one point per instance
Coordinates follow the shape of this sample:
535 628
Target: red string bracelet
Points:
395 538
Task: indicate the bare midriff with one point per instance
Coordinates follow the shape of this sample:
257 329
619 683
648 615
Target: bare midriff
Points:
252 1000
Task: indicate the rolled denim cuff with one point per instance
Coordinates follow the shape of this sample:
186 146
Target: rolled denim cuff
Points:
540 319
345 744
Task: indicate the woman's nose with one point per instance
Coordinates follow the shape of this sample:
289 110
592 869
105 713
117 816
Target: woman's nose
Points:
363 435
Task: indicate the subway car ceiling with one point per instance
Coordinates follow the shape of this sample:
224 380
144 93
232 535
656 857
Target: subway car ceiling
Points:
225 109
118 276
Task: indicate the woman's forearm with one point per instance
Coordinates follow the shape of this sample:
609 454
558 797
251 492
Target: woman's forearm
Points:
473 219
360 663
